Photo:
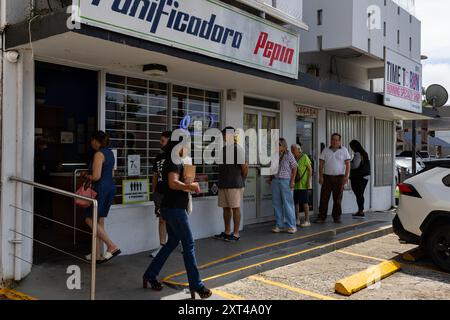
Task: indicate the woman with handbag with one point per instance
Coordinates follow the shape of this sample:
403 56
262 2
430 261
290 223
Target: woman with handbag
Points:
174 208
302 185
101 179
359 175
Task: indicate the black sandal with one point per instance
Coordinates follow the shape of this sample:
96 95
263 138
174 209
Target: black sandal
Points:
155 285
203 292
233 238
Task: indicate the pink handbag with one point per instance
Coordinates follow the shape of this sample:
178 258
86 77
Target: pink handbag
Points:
85 191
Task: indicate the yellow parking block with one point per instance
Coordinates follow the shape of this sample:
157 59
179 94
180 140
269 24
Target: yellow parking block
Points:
14 295
366 278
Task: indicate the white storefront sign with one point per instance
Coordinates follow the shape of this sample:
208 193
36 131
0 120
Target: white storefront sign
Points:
209 27
135 191
403 82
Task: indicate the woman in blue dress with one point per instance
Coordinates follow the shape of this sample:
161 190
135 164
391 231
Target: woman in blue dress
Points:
102 172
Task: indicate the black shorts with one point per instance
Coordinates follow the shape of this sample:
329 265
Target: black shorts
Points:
301 197
157 200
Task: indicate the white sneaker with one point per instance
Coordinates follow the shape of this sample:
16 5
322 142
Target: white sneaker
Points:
291 230
299 222
306 224
155 253
276 230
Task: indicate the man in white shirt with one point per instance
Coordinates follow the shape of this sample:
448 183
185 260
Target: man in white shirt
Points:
334 172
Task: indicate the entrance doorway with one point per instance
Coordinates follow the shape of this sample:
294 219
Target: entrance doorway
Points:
65 118
258 193
306 138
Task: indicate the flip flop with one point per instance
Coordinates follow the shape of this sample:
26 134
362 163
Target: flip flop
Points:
88 258
109 255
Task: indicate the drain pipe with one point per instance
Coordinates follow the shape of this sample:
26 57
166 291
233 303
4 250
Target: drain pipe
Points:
18 188
2 15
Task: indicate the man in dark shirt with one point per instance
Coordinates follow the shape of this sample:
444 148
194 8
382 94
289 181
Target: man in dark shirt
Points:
232 174
159 189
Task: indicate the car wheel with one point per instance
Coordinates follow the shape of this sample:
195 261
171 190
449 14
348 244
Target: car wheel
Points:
439 246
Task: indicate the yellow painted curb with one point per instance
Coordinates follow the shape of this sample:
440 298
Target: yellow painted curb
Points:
366 278
413 255
14 295
227 295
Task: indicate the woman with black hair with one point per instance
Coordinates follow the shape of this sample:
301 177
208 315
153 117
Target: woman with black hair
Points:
359 175
174 211
101 176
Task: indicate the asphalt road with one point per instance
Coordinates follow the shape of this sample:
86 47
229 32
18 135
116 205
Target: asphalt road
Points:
315 278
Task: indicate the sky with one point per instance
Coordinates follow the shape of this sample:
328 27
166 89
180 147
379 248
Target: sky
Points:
434 15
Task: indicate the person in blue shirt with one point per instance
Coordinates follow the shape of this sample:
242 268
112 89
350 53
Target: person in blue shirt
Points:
101 177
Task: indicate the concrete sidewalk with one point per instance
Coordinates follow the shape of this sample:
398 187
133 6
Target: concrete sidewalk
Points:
221 262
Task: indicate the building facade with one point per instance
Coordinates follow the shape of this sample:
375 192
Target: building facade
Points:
96 65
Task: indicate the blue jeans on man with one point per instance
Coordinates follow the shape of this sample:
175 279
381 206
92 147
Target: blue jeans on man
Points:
178 229
283 203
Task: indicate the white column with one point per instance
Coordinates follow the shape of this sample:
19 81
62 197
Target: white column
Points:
233 110
17 91
288 121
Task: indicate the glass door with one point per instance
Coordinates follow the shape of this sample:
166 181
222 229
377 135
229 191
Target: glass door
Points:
251 189
306 139
258 193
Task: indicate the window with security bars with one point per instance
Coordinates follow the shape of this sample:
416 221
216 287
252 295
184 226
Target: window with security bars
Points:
349 127
138 110
136 114
192 106
384 153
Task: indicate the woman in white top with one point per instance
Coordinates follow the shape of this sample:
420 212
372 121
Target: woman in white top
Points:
359 175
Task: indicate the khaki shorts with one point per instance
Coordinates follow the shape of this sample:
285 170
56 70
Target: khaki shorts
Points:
231 198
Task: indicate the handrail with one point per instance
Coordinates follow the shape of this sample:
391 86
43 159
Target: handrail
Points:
94 221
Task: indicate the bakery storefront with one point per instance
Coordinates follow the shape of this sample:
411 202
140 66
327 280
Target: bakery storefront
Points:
133 69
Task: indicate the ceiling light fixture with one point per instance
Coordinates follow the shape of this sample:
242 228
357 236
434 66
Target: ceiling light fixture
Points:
155 70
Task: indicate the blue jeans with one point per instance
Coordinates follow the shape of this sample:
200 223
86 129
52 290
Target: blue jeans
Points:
178 229
283 203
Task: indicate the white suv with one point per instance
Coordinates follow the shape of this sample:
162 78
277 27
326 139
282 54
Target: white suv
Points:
423 214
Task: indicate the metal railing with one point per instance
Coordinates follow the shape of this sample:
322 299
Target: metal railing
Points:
94 224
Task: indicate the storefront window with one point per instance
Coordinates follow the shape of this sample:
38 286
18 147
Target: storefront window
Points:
350 128
137 111
189 106
136 114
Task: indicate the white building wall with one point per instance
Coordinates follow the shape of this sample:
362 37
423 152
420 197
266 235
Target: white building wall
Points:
349 73
135 228
337 16
16 10
288 122
345 25
233 110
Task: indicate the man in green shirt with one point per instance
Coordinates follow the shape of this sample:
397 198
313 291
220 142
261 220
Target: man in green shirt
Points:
302 184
